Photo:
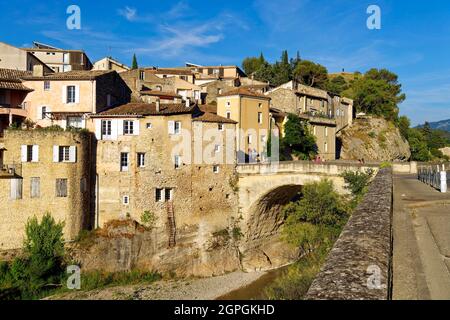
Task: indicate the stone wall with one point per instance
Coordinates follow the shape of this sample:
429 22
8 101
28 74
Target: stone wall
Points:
359 265
74 210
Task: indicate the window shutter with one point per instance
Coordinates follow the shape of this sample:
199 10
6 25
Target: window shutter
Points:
72 154
120 125
114 129
98 129
39 113
64 94
171 127
23 153
35 155
55 153
136 127
77 94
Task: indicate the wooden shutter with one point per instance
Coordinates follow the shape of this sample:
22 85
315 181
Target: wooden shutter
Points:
136 127
77 94
35 187
23 153
64 94
171 127
35 154
114 129
120 126
98 128
72 154
16 189
55 153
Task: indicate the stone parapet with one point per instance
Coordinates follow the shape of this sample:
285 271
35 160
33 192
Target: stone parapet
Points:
359 265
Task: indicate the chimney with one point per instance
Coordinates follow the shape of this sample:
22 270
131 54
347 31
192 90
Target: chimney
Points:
158 105
188 102
38 70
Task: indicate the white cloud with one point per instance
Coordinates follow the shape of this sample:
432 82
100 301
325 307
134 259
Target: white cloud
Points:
129 13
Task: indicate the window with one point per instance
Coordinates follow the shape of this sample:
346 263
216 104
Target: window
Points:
217 148
75 122
177 161
249 139
35 187
126 200
228 115
228 104
219 91
16 189
70 98
158 195
43 112
326 132
141 75
216 169
106 128
177 128
124 161
174 127
168 194
128 127
326 147
216 71
260 118
141 159
61 188
314 129
148 125
64 154
259 105
183 78
220 126
46 85
30 153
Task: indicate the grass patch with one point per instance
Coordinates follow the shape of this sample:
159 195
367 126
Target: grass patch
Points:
100 279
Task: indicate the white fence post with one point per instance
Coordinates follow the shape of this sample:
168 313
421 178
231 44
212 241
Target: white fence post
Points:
443 179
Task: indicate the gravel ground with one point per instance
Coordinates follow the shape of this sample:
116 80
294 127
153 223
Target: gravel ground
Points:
193 289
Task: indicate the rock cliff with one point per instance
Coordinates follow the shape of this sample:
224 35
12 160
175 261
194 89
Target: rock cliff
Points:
373 139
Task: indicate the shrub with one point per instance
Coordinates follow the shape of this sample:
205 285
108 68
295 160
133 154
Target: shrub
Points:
148 219
357 182
372 134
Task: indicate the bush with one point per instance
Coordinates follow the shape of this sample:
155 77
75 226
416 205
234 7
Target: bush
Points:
41 267
357 182
148 219
317 217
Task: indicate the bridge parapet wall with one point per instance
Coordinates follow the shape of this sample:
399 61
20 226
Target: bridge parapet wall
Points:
332 168
359 265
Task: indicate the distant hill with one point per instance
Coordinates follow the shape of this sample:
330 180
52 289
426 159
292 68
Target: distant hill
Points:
439 125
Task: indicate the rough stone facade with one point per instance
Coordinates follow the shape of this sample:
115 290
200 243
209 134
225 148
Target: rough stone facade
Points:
74 210
359 265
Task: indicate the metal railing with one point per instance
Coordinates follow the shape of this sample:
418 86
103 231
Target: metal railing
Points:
436 176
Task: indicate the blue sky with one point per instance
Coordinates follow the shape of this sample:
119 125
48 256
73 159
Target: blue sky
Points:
413 41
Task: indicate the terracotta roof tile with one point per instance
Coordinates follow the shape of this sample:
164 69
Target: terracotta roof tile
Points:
10 79
211 117
71 75
159 93
243 92
147 109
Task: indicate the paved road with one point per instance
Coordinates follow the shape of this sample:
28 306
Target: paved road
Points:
421 240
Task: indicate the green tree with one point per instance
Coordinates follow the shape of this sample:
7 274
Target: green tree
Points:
265 73
253 64
337 85
311 74
378 92
298 138
403 125
282 70
134 64
320 212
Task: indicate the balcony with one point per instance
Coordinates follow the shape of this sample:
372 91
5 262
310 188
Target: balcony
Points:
10 171
318 117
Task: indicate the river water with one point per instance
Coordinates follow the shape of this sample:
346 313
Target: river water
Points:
255 290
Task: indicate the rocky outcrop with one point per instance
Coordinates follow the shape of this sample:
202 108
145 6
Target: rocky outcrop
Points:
124 245
373 139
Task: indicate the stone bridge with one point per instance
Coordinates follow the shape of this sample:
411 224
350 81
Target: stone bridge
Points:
264 189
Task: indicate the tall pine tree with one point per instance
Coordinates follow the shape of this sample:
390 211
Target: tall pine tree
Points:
134 64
